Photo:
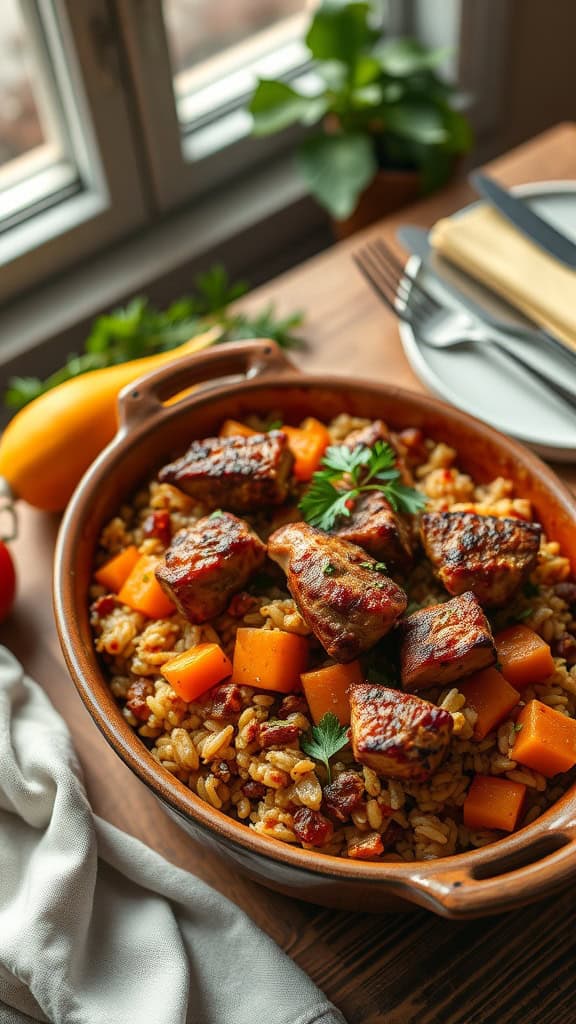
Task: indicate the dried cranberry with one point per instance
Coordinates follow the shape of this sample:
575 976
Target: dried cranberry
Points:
272 735
253 790
104 605
136 698
312 827
292 704
226 701
252 731
565 647
343 795
158 525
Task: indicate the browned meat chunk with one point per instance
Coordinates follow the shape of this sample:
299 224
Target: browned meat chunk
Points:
378 431
347 603
445 642
238 473
488 555
374 526
397 734
207 563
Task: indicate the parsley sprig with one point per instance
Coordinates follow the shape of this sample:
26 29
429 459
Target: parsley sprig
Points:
326 739
359 470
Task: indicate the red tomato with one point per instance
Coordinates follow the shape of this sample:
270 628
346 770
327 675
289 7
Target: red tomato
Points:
7 581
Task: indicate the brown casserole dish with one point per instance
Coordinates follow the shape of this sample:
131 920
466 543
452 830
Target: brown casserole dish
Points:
234 381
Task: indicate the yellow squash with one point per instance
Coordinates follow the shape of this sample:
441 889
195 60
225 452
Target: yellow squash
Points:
48 446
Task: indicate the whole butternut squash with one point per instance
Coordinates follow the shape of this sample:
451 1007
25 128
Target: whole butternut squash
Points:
47 447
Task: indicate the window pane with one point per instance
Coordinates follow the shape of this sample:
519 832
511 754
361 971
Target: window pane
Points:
224 42
33 158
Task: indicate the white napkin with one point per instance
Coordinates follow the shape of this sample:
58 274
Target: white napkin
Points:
95 927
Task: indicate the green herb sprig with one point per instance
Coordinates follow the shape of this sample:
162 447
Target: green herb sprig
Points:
326 739
138 329
360 470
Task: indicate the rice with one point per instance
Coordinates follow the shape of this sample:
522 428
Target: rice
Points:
223 762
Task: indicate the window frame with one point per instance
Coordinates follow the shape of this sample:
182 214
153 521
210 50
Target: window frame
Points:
110 200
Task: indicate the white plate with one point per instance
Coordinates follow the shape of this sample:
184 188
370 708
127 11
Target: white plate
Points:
486 383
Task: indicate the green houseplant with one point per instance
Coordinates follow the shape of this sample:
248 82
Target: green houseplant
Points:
379 104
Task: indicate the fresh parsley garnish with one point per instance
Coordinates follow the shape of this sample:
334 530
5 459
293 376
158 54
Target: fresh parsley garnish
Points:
518 726
524 614
328 569
325 740
357 471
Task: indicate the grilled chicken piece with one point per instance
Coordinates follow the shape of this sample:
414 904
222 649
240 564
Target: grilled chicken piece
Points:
207 563
378 431
238 473
488 555
346 602
444 642
374 526
397 734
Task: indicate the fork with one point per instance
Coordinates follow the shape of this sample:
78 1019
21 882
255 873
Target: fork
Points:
436 325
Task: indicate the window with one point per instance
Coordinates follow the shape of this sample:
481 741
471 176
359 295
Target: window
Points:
115 112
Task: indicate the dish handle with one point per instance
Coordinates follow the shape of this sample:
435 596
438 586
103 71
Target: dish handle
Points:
496 881
146 397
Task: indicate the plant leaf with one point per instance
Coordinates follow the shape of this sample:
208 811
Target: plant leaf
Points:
419 122
276 105
403 57
340 32
336 169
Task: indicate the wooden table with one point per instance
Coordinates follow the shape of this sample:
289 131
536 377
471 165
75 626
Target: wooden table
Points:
394 968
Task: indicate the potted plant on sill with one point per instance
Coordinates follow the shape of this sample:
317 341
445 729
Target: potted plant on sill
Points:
388 127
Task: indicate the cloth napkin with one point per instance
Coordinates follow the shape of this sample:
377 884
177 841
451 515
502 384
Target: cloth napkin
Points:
95 927
490 249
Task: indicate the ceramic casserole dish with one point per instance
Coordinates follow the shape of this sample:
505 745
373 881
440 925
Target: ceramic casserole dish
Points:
232 381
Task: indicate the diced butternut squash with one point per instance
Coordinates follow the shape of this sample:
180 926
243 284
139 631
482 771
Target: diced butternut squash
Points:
523 657
194 671
114 573
269 659
491 697
233 428
142 592
327 689
546 739
307 444
493 803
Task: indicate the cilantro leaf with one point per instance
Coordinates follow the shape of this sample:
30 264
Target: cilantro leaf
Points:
369 469
326 739
404 499
322 504
341 459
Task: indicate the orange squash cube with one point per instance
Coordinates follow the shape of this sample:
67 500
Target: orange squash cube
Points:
142 592
196 670
327 689
113 574
546 740
493 803
269 659
491 697
523 656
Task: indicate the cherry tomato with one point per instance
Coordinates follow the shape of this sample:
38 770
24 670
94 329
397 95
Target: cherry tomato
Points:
7 581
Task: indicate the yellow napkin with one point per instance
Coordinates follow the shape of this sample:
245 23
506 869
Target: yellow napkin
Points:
487 247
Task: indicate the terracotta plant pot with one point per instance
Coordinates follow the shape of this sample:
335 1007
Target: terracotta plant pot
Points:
233 381
389 191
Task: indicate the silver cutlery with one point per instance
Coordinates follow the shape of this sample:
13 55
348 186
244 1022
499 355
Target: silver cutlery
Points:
436 325
523 218
454 281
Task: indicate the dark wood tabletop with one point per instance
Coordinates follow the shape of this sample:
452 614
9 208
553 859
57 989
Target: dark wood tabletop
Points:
394 968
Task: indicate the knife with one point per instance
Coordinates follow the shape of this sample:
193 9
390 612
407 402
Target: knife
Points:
456 283
519 214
